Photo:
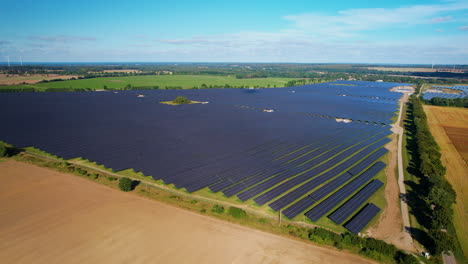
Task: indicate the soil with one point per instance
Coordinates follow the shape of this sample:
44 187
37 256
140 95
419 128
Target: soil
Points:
459 137
52 217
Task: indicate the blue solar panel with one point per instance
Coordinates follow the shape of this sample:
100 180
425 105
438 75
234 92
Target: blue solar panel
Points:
229 144
345 211
335 199
295 194
361 219
298 207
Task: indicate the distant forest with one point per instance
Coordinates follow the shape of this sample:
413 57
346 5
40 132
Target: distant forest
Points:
246 70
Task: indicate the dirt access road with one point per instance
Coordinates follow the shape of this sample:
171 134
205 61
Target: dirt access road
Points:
52 217
393 220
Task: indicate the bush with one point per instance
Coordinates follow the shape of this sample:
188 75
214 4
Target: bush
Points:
110 178
217 209
81 171
403 258
125 184
181 100
3 150
237 212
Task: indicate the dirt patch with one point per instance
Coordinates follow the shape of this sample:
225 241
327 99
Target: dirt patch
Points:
449 126
459 137
390 225
51 217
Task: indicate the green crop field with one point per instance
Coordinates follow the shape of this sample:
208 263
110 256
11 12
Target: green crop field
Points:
163 81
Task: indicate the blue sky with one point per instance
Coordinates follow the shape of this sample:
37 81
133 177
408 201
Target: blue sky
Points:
397 31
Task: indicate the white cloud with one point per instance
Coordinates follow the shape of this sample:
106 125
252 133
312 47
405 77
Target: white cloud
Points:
62 38
464 28
352 21
440 30
441 19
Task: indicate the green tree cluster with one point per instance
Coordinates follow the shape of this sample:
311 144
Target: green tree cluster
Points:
370 247
455 102
439 196
125 184
181 100
3 150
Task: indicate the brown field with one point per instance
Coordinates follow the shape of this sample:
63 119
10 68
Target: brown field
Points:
52 217
10 79
449 125
459 138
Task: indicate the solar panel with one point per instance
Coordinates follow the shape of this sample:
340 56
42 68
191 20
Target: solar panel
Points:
315 182
298 207
362 218
335 199
344 211
229 144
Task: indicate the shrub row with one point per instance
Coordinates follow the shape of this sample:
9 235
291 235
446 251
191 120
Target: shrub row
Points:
369 247
455 102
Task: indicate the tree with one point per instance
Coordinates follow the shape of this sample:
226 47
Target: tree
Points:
125 184
443 242
181 100
3 150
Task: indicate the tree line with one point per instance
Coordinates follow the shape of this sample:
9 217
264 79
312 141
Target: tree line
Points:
438 195
454 102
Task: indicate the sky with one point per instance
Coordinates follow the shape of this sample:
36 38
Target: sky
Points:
326 31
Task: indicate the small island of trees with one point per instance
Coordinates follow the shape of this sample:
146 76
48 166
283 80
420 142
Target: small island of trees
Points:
181 100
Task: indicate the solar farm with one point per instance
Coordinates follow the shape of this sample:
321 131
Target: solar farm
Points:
312 150
463 92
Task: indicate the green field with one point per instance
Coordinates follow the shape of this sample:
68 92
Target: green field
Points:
163 81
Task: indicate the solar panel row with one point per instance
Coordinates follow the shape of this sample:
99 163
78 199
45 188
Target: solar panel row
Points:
332 185
335 199
278 190
345 211
362 218
297 193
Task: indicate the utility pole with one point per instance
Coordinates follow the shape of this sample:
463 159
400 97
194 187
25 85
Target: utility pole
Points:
279 217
